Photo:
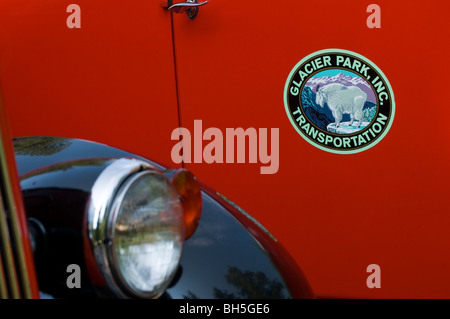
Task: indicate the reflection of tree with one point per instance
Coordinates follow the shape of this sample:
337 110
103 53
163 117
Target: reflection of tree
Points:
249 285
66 166
39 146
190 295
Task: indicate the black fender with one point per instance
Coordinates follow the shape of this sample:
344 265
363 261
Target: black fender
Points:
230 255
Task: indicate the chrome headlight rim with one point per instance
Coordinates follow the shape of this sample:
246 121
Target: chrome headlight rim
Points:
106 194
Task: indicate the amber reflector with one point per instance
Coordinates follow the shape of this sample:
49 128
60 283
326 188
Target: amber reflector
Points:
189 190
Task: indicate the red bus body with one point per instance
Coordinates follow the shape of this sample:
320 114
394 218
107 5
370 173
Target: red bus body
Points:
134 72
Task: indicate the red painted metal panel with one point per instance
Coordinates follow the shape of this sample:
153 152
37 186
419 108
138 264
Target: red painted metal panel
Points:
335 213
111 81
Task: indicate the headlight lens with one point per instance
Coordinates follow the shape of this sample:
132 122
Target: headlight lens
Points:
136 229
147 234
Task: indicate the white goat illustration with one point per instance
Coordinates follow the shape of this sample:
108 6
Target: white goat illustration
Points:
341 100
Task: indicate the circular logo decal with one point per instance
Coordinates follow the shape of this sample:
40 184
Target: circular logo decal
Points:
339 101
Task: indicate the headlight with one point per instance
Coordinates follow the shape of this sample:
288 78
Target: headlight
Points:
136 228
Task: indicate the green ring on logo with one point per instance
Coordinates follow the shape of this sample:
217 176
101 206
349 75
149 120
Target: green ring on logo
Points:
352 139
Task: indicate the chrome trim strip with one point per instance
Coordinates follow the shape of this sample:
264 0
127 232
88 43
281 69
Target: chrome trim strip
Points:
3 288
8 270
10 236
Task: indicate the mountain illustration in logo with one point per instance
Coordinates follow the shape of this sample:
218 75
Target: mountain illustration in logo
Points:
323 117
346 80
